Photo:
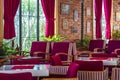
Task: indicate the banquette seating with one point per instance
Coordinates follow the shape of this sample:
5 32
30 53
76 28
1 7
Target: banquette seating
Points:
92 70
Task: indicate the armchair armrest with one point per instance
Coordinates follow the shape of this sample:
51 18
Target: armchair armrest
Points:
43 59
69 59
88 53
97 50
64 54
39 52
116 50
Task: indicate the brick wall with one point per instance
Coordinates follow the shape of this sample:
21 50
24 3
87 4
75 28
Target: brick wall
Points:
73 30
88 19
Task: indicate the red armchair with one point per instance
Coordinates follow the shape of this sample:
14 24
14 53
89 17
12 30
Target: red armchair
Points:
112 50
38 49
63 49
94 46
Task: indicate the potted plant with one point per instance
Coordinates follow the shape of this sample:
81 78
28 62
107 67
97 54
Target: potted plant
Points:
55 38
84 44
6 49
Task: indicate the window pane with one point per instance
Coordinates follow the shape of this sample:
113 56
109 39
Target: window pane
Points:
29 23
41 21
42 27
16 20
27 43
32 28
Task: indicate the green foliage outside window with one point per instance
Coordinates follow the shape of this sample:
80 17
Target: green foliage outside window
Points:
29 25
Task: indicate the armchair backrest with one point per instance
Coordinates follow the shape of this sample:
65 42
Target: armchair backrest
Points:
112 45
61 47
96 44
39 46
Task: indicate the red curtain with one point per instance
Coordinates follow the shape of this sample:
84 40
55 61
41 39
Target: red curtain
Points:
107 10
98 14
10 8
48 8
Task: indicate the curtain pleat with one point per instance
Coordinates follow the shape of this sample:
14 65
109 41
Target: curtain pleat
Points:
98 15
48 9
10 8
107 10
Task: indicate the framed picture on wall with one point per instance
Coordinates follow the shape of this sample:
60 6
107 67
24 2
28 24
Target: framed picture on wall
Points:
88 11
117 16
74 29
115 28
65 8
75 15
65 24
88 25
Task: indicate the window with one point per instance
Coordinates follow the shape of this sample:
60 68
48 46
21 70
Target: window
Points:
103 23
29 23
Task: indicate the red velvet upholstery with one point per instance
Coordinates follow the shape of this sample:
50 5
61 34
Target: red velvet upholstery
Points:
110 50
90 65
72 70
39 46
16 76
96 44
112 45
61 47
